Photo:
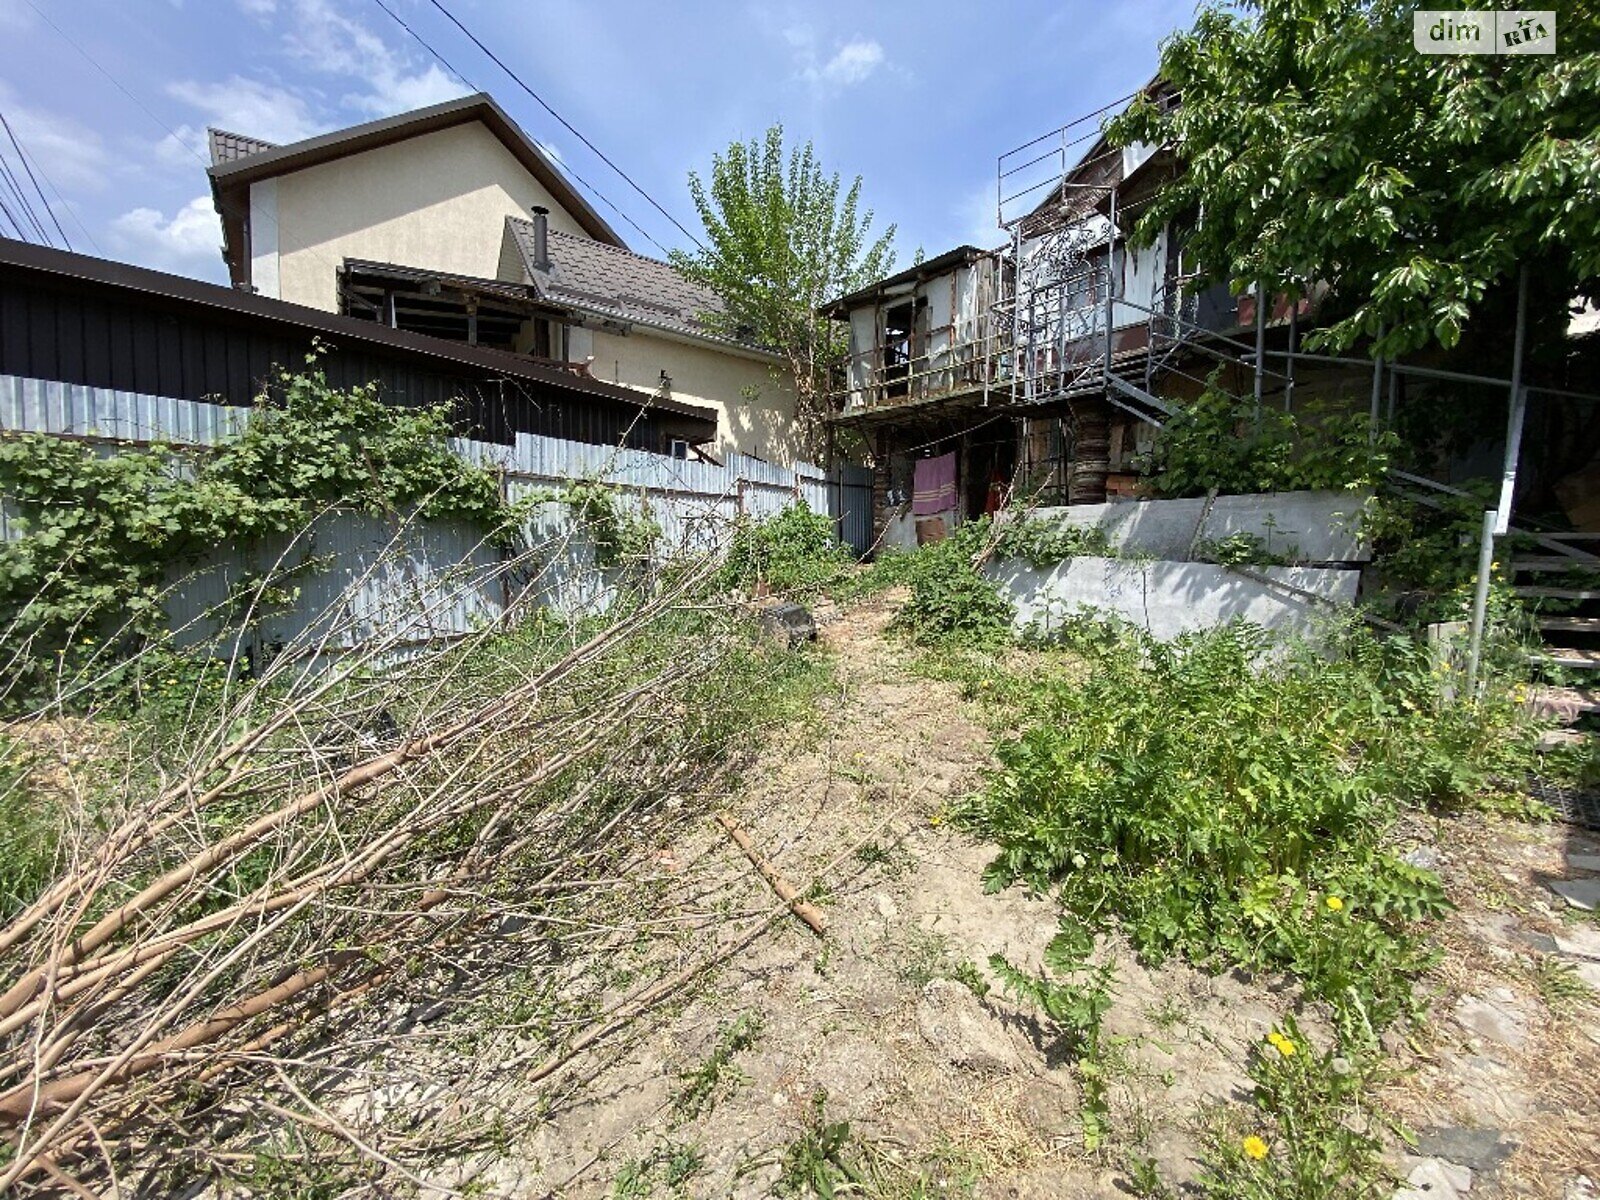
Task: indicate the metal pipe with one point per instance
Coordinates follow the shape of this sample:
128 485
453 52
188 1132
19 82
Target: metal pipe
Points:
1261 341
1519 407
1377 389
1480 598
1111 259
1294 329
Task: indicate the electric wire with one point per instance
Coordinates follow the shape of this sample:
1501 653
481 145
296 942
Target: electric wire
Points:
16 230
20 200
518 80
589 187
43 199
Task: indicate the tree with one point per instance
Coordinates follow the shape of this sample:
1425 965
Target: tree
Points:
1318 145
782 243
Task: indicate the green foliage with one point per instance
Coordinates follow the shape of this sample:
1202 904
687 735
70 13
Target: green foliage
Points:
1318 145
702 1086
102 535
1075 1008
783 242
1316 1134
28 830
1045 543
1232 808
1239 550
794 553
1221 442
818 1162
621 535
952 602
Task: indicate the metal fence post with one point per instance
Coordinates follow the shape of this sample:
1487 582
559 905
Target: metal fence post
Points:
1480 599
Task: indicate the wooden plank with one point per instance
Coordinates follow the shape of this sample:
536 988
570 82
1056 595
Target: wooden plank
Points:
1571 624
1555 563
1580 660
1555 593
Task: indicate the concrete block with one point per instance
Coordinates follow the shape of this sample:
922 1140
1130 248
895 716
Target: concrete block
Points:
1313 526
1172 598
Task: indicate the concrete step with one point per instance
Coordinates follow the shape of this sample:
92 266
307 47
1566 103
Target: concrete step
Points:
1577 660
1555 562
1555 593
1571 624
1564 704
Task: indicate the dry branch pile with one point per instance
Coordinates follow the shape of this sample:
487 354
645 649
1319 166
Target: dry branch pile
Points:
249 914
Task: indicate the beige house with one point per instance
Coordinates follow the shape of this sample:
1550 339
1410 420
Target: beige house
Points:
452 222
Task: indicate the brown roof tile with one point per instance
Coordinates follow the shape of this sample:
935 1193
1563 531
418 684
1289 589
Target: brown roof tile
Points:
589 275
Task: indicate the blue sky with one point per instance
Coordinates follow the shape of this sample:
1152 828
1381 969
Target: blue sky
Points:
917 98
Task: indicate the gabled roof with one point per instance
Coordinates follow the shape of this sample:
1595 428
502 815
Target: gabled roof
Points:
231 176
225 146
610 282
950 260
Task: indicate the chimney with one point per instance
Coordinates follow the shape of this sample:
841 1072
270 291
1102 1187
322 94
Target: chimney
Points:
541 238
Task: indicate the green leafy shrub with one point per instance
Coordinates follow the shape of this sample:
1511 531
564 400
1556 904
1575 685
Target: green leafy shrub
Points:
1315 1136
1223 442
795 553
1075 1006
952 601
1044 543
620 535
1233 810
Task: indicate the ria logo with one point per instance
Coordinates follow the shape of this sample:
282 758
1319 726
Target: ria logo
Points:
1487 32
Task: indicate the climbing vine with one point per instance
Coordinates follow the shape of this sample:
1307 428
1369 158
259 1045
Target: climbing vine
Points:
101 535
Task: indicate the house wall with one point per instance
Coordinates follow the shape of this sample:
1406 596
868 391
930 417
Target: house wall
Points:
762 427
437 201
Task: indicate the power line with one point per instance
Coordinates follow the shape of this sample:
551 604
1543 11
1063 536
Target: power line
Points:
16 230
493 57
45 200
20 199
594 191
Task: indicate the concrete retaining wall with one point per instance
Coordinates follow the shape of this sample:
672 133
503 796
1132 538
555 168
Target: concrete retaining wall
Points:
1308 526
1171 598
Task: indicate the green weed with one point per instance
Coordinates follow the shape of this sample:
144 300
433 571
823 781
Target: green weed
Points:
702 1086
1312 1136
1075 1007
795 553
28 830
1233 810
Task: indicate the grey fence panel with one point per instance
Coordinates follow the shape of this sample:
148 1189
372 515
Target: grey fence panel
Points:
362 576
45 406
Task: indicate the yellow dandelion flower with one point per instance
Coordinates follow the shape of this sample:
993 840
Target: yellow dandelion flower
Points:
1334 903
1255 1148
1274 1037
1285 1047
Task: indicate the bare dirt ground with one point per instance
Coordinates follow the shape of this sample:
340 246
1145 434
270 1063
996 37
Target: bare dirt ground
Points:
947 1092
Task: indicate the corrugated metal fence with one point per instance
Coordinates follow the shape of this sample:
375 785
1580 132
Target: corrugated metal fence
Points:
433 580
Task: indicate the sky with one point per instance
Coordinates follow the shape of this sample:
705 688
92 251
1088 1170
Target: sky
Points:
112 103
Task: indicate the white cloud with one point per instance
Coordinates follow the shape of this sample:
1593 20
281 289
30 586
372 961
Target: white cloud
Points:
187 244
250 107
329 42
69 154
257 8
853 62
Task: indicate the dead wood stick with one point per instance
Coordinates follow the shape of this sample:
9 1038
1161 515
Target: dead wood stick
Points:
787 892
